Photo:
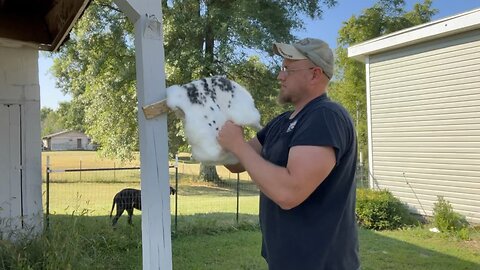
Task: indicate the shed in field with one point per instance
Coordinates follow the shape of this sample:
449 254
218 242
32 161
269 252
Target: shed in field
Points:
423 111
67 140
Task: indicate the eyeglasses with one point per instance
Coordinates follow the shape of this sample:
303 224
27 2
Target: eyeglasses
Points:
287 70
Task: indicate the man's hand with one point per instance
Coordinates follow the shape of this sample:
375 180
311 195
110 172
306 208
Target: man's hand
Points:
230 136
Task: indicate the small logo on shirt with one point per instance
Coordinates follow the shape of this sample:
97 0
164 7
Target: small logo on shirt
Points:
291 126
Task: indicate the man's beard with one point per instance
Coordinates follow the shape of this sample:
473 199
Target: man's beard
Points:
283 99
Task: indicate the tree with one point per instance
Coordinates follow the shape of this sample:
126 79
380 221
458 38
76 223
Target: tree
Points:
202 38
97 67
50 121
71 115
385 17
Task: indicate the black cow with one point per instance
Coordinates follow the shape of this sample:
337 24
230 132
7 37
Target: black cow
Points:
128 199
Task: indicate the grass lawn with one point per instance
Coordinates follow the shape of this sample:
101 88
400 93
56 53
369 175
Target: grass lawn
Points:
214 242
207 236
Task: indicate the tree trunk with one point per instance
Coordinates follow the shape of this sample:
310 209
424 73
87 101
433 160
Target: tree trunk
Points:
209 173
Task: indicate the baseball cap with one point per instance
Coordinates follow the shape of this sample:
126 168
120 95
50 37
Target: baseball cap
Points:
313 49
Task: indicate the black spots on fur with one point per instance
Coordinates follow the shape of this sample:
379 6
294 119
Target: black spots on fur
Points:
213 124
206 117
204 92
223 83
209 91
193 94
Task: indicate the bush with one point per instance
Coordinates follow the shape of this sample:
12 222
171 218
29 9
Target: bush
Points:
446 220
380 210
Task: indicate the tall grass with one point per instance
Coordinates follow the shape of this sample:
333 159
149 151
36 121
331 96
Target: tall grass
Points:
215 242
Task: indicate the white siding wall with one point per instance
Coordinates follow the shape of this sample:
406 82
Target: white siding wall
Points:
425 120
19 87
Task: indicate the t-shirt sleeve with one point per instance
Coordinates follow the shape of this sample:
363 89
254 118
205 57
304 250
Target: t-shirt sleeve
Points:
323 127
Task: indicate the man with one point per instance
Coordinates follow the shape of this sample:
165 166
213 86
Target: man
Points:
304 164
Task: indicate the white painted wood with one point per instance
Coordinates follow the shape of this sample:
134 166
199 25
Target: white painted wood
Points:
19 88
10 184
32 164
369 123
156 223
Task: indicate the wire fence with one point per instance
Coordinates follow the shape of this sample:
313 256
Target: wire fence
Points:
90 191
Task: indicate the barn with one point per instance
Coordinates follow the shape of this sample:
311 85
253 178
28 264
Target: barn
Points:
423 113
67 140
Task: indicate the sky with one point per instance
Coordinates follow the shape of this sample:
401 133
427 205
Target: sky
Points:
326 29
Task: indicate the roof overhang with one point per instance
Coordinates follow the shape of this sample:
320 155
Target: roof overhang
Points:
40 24
456 24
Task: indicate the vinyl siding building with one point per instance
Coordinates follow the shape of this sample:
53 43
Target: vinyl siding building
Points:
423 111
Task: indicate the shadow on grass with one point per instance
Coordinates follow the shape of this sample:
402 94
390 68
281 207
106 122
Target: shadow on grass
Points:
431 251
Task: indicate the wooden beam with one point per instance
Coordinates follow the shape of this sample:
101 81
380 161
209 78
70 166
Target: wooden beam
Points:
155 109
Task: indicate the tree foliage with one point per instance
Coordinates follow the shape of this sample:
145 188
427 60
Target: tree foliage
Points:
201 38
385 17
50 121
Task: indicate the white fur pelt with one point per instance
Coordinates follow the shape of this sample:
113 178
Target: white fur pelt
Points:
207 104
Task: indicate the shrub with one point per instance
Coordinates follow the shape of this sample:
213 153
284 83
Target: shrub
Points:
446 220
380 210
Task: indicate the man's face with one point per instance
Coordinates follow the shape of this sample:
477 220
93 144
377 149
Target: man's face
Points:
293 78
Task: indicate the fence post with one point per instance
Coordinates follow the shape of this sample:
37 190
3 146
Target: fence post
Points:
47 203
114 175
176 190
80 170
238 195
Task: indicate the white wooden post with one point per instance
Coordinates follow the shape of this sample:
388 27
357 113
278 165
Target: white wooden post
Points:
156 232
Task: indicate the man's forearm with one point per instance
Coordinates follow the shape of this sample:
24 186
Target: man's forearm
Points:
274 181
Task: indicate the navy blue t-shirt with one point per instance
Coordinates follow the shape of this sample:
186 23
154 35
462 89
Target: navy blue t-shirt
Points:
321 232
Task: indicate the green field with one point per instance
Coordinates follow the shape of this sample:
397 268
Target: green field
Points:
208 236
91 193
96 199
